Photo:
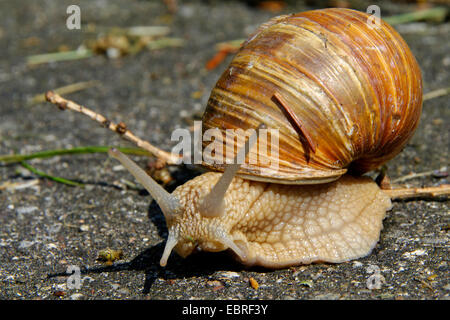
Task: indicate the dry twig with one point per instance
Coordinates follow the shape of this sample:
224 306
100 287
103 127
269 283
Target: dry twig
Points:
119 128
74 87
428 192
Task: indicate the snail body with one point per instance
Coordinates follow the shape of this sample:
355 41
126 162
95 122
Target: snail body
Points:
275 226
344 97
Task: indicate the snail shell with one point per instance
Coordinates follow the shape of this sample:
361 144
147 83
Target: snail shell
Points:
357 90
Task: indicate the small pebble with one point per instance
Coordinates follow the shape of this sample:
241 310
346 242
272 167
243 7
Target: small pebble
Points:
22 211
26 210
327 296
59 293
51 246
254 283
76 296
25 244
113 53
124 291
60 287
229 274
118 167
440 174
414 254
115 286
214 283
306 283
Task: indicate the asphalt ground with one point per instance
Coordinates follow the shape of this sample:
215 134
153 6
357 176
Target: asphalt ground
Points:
47 227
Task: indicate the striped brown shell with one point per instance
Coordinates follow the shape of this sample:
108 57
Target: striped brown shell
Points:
357 91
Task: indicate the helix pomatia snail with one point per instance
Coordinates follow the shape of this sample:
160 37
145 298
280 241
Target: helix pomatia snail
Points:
344 96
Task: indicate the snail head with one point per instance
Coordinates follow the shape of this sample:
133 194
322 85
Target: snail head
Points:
195 210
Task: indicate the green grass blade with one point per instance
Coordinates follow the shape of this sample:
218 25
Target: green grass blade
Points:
47 176
15 158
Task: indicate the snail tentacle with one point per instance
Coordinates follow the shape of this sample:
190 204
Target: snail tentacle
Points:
172 241
213 204
168 203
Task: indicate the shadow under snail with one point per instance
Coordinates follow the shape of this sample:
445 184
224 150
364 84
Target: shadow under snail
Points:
345 96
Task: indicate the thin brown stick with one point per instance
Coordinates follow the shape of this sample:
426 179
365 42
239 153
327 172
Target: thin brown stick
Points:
298 123
436 93
428 192
415 175
120 128
71 88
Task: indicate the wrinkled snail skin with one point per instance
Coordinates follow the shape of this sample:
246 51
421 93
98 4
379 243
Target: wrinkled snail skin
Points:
277 226
357 92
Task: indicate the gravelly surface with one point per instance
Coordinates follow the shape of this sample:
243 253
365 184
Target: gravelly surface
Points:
48 227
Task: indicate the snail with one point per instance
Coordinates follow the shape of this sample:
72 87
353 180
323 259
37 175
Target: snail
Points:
345 97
